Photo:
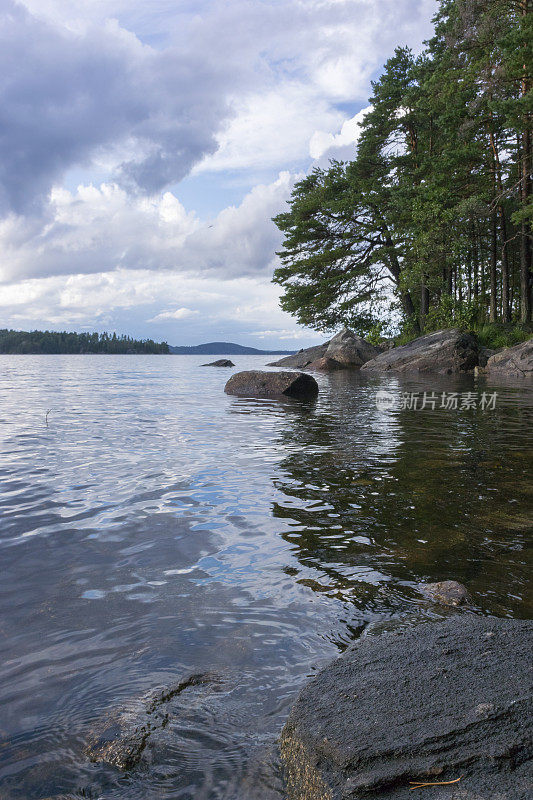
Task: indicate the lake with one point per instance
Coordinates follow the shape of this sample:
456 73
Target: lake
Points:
153 527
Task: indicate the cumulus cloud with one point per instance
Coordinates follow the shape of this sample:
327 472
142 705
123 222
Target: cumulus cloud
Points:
66 95
340 145
134 96
102 228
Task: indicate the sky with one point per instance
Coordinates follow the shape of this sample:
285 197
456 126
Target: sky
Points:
146 146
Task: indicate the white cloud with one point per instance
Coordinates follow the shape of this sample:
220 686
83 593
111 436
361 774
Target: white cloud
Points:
179 313
97 229
327 144
133 96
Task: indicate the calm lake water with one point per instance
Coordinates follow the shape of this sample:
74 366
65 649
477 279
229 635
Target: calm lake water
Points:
157 528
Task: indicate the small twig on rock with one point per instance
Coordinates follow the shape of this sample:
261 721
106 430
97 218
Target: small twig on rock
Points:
418 785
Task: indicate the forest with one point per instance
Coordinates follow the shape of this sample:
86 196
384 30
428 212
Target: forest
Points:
63 342
430 224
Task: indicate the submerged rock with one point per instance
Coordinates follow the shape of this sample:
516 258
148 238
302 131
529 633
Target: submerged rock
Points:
438 703
222 362
350 350
514 362
444 352
120 737
273 385
447 593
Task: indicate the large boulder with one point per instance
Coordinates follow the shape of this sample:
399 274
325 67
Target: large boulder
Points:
302 358
513 362
272 385
325 365
445 703
350 350
346 348
444 352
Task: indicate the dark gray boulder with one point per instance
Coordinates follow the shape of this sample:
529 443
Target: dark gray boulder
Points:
446 593
350 350
222 362
513 362
440 702
444 352
272 385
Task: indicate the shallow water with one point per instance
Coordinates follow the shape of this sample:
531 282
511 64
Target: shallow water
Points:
152 527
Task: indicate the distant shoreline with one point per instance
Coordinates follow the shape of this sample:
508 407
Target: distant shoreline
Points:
36 343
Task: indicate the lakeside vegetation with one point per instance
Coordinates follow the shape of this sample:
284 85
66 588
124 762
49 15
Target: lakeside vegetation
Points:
20 342
430 225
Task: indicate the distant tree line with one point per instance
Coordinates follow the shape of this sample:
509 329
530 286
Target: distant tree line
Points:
63 342
436 208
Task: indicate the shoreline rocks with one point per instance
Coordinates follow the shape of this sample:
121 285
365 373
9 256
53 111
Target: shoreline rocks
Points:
350 350
445 352
345 351
443 701
272 385
325 364
514 362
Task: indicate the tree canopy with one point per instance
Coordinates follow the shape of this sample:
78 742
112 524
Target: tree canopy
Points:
431 222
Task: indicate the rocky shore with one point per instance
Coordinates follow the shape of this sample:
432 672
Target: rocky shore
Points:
447 352
445 707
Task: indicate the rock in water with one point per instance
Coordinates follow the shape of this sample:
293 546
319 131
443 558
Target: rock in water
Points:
443 352
222 362
350 350
447 593
442 701
514 362
273 385
121 736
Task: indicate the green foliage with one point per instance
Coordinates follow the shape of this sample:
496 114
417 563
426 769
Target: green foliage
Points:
450 313
20 342
436 203
495 336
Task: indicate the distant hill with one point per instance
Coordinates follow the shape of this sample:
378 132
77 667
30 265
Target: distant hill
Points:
225 349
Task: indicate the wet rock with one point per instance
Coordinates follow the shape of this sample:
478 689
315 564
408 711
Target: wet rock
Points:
120 737
443 352
325 365
273 385
222 362
513 362
436 703
447 593
302 358
350 350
